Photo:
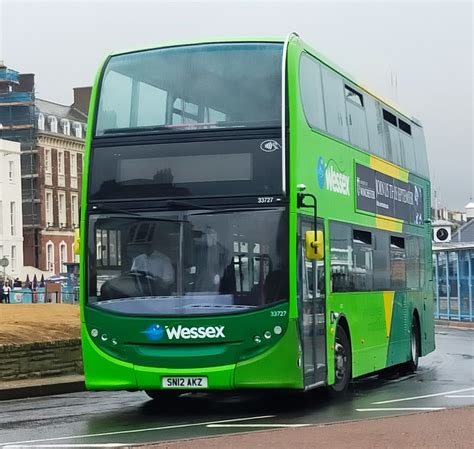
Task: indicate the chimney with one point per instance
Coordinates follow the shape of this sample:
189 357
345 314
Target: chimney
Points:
27 83
470 211
82 98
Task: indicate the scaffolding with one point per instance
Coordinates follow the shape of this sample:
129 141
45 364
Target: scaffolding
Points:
17 123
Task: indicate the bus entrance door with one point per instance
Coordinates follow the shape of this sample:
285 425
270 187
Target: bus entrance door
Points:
312 308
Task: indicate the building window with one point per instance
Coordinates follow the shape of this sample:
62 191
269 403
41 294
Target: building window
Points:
12 218
62 257
61 162
50 256
66 127
73 159
41 121
13 258
53 124
47 161
49 208
73 168
11 170
62 209
74 210
77 129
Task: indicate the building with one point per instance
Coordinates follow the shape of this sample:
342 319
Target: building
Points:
465 233
52 147
453 273
11 237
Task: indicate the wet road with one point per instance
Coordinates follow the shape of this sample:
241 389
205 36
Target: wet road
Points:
445 379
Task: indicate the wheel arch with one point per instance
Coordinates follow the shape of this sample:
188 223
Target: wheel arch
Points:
344 323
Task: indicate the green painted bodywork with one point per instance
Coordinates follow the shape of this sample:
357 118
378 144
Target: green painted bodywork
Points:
379 322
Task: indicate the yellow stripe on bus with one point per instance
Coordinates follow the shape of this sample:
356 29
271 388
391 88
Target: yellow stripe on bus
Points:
388 169
391 224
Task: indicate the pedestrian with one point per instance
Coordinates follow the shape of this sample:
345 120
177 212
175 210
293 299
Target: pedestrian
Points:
6 292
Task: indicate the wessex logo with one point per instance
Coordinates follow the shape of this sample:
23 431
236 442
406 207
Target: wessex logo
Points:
331 177
156 332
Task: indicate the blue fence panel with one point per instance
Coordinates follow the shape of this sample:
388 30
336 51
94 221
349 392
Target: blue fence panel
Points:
453 282
68 295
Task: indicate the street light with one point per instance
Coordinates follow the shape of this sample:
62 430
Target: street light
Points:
4 263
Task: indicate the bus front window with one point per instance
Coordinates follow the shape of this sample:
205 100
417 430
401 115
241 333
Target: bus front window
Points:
188 263
232 85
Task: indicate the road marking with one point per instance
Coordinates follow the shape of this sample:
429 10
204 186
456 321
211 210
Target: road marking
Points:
14 446
256 425
150 429
399 409
422 397
460 396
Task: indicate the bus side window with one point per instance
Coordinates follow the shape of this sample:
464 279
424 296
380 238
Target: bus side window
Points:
397 262
362 254
375 126
334 104
311 92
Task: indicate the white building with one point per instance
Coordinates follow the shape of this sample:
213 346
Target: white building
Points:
11 223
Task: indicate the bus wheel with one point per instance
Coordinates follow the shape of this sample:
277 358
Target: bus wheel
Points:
342 363
412 364
163 395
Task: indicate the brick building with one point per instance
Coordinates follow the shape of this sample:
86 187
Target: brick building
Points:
52 147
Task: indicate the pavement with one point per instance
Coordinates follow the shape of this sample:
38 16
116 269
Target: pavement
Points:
46 386
434 430
41 386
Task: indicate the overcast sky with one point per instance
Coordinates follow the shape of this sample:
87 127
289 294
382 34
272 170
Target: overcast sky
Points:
426 46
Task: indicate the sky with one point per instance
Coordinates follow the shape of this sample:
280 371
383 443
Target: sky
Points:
417 55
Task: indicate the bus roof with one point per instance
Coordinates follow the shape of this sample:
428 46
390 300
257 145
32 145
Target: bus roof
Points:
281 40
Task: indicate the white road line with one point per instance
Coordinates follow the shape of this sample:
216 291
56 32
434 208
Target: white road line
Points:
14 446
422 397
399 409
460 396
255 425
150 429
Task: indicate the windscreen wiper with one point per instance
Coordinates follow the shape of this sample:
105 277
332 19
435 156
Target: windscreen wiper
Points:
129 214
134 129
102 208
186 205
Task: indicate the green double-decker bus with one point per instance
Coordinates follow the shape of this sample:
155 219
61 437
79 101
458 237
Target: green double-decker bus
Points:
252 218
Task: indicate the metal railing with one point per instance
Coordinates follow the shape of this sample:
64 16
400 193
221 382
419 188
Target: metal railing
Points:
41 296
453 282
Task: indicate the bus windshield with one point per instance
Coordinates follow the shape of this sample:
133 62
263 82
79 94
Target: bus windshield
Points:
225 85
188 263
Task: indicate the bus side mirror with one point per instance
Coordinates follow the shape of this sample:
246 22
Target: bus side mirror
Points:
314 245
77 242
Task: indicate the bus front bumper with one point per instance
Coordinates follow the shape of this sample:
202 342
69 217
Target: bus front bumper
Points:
279 367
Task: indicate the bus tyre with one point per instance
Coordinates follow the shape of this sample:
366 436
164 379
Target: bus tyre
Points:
342 364
412 364
162 395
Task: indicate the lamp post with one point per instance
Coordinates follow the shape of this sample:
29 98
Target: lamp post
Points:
4 263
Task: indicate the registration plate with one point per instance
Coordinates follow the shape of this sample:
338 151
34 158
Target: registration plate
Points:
184 382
